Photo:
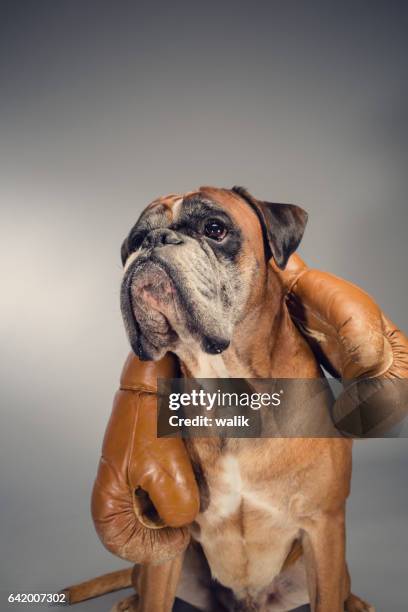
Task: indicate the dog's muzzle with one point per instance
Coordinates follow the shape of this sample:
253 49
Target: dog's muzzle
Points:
169 294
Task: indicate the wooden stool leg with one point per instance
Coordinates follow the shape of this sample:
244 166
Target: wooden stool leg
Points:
156 585
114 581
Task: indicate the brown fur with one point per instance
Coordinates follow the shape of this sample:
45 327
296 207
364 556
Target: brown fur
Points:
307 480
290 514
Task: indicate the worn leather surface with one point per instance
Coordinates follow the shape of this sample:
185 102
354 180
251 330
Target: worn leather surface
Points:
145 493
355 341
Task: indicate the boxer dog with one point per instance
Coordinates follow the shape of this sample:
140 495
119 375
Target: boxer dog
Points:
201 279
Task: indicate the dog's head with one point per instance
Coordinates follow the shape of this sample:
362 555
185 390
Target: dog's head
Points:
194 265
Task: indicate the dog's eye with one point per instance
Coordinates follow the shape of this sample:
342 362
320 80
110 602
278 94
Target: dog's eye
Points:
215 229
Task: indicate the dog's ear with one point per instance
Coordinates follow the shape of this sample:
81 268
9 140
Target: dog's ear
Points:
282 226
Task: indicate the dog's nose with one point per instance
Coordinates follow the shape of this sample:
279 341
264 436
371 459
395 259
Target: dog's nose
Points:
161 237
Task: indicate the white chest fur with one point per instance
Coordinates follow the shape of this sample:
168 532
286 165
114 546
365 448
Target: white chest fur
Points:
231 486
210 366
245 534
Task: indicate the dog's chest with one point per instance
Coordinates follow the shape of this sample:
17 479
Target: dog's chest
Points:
240 492
246 530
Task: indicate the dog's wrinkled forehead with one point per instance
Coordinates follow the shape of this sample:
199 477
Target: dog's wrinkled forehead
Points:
176 208
164 206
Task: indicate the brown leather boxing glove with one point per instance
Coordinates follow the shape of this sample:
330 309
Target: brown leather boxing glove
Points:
355 341
145 491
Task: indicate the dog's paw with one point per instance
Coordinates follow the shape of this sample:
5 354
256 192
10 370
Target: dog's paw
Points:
355 604
126 605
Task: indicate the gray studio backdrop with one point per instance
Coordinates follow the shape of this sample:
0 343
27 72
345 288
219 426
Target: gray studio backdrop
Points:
105 105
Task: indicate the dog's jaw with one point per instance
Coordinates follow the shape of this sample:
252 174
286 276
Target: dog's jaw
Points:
249 355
